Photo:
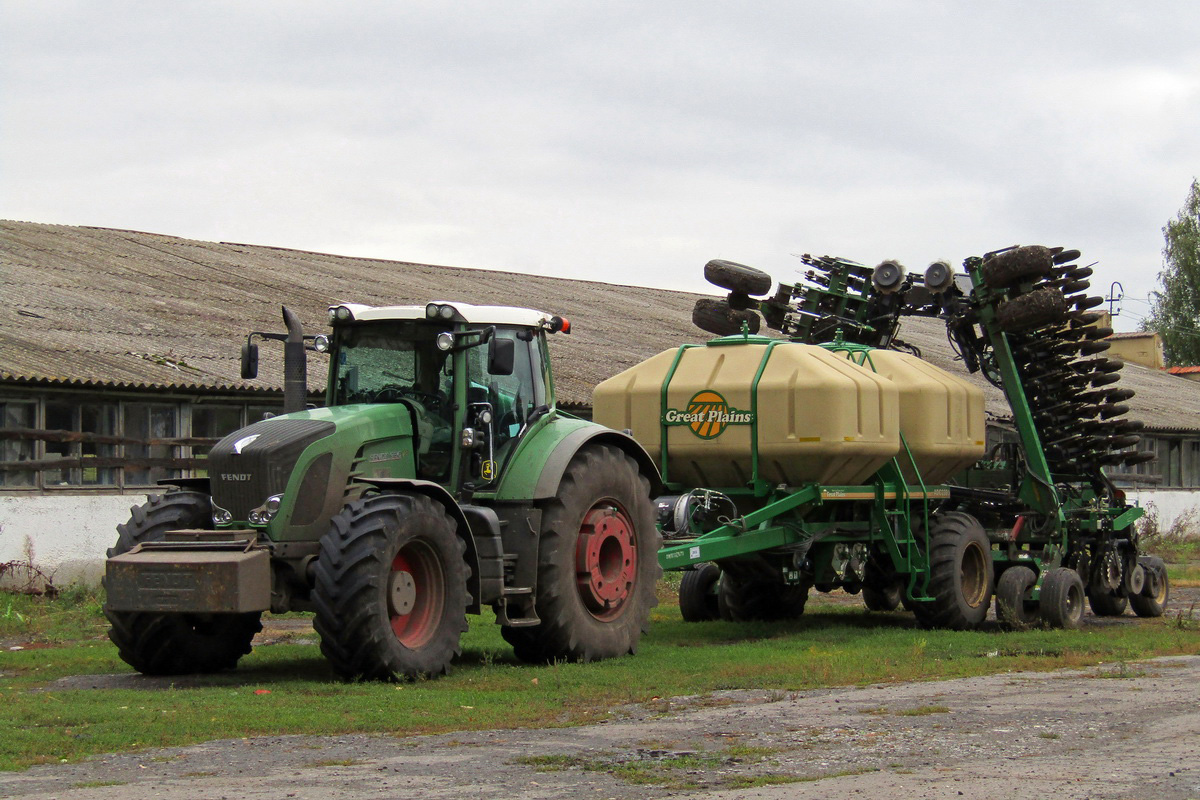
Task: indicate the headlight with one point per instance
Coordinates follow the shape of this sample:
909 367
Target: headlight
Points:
220 516
342 314
445 341
431 311
321 343
267 511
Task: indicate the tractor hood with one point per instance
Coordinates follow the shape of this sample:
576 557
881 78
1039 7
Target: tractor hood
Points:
257 462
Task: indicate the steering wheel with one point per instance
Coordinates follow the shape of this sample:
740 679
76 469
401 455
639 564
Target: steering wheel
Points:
392 393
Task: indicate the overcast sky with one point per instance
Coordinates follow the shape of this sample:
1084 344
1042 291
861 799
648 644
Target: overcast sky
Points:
624 142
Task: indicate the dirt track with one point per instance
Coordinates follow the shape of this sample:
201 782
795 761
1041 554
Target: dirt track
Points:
1123 731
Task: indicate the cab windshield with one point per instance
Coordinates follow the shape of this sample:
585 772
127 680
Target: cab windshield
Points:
386 361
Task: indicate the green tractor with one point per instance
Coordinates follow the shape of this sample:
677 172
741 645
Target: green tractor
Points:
440 478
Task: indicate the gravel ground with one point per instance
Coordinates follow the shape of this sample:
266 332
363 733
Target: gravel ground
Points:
1123 731
1116 731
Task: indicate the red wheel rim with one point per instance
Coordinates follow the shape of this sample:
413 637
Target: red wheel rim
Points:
606 560
416 592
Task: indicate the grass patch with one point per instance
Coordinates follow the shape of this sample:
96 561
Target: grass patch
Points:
831 645
922 711
72 615
96 784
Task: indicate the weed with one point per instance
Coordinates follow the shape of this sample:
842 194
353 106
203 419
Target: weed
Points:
336 762
922 711
1049 735
96 784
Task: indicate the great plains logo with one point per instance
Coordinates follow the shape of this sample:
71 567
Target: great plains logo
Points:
707 414
243 442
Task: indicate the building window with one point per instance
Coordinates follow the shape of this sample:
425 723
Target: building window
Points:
17 414
150 421
87 460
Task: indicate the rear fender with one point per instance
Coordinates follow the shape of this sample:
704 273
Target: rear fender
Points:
538 467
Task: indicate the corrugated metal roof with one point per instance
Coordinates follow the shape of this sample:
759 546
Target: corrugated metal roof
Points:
101 307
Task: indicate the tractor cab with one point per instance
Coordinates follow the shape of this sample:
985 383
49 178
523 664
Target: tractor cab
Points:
471 378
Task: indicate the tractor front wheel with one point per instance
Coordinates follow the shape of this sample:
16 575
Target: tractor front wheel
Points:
157 643
391 589
597 563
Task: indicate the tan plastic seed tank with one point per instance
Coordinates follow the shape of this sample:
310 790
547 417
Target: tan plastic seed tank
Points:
821 418
941 415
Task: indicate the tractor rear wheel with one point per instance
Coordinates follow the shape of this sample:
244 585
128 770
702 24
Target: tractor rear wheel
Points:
698 594
1156 590
391 589
157 643
960 574
597 563
1015 611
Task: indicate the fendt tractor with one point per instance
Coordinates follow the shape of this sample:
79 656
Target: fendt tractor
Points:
439 478
835 457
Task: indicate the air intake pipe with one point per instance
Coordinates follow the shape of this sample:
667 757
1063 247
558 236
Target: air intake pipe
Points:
295 365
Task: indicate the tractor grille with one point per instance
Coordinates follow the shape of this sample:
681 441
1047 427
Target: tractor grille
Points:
250 465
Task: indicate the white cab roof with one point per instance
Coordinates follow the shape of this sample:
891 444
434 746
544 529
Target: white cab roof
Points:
476 315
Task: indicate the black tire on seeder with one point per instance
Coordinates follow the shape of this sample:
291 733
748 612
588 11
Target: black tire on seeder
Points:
737 277
597 563
1062 598
882 589
1152 601
717 317
1015 611
390 589
1037 309
698 600
158 643
960 574
1014 266
754 592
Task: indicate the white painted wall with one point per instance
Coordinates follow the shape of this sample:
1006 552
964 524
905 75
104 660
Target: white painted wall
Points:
69 534
1170 506
65 535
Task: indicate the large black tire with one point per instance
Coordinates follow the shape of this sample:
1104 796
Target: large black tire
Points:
719 318
1015 608
751 597
1034 310
597 563
737 277
156 643
1156 589
1062 598
961 575
698 594
390 589
1023 263
1105 604
882 588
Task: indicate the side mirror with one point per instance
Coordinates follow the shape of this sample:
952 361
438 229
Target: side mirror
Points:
501 356
249 360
